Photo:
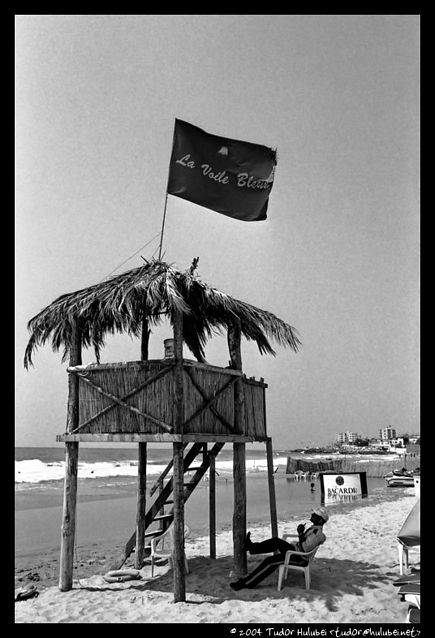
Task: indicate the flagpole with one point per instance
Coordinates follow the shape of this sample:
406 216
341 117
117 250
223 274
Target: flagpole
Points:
163 224
166 198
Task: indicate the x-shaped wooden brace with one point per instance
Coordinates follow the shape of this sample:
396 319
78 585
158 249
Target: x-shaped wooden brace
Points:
210 400
117 401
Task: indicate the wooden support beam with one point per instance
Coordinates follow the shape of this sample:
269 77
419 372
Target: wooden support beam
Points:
239 515
132 437
239 454
178 552
178 466
141 504
68 528
212 505
178 372
68 517
272 496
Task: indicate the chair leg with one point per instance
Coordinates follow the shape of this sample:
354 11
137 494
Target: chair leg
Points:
280 576
152 566
307 578
186 564
400 550
405 553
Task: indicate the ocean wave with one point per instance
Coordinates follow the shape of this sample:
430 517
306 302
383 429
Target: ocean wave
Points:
36 471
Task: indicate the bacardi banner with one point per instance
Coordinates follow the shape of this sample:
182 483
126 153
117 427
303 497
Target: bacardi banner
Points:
226 175
347 486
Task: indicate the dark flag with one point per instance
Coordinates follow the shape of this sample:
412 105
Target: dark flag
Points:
228 176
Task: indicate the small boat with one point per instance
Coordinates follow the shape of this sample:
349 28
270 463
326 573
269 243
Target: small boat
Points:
402 472
400 480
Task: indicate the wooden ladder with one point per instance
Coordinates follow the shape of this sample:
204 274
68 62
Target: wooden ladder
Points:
156 512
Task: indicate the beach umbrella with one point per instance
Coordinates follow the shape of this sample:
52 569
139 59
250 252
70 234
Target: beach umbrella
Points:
409 534
134 300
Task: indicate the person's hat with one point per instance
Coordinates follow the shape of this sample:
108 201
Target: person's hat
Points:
321 511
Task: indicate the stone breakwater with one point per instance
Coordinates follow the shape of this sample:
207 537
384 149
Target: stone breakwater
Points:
374 468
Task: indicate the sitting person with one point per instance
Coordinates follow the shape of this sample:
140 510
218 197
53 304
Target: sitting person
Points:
309 537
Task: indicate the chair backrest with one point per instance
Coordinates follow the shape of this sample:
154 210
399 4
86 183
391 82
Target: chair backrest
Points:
313 553
166 538
295 559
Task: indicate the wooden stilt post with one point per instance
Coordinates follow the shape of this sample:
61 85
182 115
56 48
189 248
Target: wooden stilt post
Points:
272 496
212 505
239 454
141 505
71 464
178 469
142 465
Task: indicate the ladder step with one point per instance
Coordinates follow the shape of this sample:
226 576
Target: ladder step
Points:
168 503
192 469
163 516
156 532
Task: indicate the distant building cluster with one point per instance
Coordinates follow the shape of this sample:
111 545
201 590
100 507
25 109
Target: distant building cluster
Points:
385 434
388 441
347 437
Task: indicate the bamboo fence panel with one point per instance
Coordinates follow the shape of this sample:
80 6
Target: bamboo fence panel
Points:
211 382
121 379
255 417
157 399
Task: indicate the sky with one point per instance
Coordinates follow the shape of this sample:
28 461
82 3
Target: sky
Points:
338 256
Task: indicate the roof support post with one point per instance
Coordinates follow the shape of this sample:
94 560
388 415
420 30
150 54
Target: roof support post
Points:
239 453
71 465
145 337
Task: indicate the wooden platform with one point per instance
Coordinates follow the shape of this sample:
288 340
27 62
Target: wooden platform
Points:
156 438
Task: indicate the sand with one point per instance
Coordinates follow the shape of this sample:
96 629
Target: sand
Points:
352 578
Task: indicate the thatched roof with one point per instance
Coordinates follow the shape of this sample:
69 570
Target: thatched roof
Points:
154 290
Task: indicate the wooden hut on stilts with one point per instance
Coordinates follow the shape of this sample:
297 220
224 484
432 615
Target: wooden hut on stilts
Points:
196 406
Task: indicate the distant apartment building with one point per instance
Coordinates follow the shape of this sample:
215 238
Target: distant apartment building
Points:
385 434
346 437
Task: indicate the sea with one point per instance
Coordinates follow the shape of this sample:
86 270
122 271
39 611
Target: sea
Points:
107 493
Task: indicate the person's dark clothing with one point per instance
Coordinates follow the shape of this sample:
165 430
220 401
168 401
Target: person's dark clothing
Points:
268 565
308 539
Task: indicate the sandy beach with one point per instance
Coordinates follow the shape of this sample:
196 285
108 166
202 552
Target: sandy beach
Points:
352 578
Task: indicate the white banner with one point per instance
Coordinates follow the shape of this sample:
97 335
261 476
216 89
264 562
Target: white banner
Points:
343 487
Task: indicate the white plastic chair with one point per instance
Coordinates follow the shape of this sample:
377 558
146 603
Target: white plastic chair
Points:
287 564
162 546
403 551
408 539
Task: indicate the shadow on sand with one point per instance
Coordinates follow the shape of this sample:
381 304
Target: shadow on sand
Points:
209 582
